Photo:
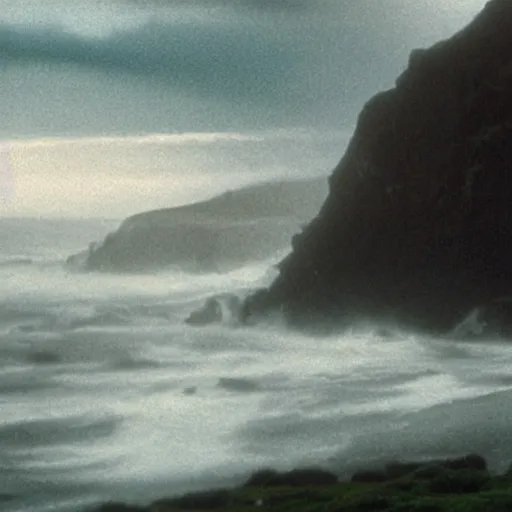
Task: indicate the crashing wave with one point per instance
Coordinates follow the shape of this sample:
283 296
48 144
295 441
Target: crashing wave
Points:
218 234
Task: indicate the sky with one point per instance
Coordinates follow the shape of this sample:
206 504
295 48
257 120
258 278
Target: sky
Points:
131 66
105 71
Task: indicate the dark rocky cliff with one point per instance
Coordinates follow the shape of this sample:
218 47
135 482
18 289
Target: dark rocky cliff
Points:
417 226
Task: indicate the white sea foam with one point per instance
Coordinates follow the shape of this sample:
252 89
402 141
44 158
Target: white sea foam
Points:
106 393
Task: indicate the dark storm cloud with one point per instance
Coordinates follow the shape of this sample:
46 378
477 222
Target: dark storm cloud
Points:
285 64
211 59
284 61
273 5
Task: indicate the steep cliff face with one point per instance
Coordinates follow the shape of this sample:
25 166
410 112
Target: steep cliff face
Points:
417 226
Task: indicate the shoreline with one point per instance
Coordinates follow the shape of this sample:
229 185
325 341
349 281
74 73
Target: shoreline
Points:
462 484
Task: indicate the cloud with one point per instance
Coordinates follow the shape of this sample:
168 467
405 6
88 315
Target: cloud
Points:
153 139
266 62
206 57
262 5
118 176
236 63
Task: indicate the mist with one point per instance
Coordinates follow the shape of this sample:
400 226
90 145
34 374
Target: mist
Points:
166 208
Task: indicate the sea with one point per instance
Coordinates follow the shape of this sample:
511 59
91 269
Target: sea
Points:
106 393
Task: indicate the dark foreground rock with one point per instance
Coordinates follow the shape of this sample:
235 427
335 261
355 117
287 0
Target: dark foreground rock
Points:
462 484
417 226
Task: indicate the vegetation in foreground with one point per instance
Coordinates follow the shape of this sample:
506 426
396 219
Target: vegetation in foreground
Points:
461 485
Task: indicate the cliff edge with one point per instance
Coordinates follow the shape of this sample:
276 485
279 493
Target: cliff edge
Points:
221 233
417 225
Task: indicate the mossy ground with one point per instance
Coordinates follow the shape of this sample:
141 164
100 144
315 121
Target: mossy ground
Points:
442 490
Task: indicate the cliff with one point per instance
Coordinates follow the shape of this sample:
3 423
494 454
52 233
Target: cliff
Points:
416 227
220 233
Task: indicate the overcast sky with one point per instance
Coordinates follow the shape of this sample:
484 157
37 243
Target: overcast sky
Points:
130 66
279 84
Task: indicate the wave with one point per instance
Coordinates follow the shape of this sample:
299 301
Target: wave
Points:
446 430
216 235
73 429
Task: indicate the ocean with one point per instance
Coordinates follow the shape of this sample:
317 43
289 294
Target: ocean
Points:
107 394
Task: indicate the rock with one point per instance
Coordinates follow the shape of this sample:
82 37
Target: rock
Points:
239 385
43 357
209 313
368 476
472 461
471 327
223 307
491 320
459 482
429 471
416 228
295 478
309 495
204 500
422 470
218 234
400 469
308 476
399 486
496 318
120 507
263 478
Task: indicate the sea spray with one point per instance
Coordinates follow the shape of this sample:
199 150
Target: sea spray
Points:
7 186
